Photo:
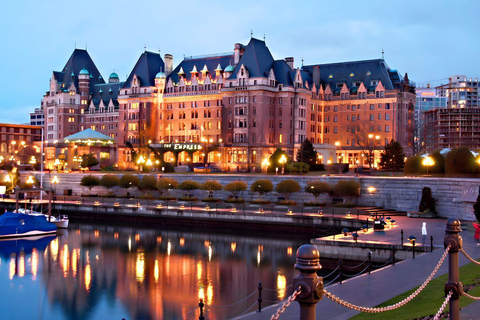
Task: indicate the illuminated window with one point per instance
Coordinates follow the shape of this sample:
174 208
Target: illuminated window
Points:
280 138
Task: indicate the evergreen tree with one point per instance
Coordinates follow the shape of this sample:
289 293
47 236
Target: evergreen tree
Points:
88 161
275 159
393 158
307 153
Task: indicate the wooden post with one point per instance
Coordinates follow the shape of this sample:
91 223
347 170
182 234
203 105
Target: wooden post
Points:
49 205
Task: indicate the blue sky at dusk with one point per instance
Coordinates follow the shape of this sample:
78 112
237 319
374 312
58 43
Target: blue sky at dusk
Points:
431 40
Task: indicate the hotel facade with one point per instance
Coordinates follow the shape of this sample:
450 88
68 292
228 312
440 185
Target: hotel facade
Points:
232 110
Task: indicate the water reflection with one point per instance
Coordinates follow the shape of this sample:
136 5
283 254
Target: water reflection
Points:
120 272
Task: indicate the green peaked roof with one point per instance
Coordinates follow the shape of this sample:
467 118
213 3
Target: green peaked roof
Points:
88 134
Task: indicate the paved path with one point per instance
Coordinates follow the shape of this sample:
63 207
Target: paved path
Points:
372 289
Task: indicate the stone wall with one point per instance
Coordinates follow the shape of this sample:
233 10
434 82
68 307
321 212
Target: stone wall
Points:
453 196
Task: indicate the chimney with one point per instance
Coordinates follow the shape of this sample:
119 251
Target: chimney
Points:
316 75
238 52
289 61
168 60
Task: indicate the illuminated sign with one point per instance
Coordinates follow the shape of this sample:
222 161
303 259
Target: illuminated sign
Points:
180 146
428 93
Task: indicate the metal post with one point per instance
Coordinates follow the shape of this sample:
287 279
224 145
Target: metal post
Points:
413 248
259 296
340 270
401 237
311 285
369 262
431 243
455 241
201 305
357 214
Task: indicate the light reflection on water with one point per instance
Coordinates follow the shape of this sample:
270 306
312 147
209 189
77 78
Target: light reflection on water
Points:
120 272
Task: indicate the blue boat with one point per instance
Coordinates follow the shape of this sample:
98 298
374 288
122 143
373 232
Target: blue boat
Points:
25 245
14 225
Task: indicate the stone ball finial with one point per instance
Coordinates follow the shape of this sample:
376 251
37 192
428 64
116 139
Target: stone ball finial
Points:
308 259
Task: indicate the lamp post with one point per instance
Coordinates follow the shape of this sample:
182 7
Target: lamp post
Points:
373 138
265 164
329 162
205 157
428 161
338 145
54 182
140 162
283 160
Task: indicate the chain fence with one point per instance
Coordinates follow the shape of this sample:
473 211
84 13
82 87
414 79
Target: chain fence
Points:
468 257
444 304
397 305
234 303
285 305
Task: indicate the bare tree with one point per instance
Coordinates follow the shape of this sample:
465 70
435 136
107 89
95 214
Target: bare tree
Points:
368 139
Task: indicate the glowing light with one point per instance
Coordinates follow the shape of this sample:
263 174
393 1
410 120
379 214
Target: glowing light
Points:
12 267
140 267
258 258
159 239
21 264
199 270
209 253
34 263
65 262
233 246
74 262
169 248
137 237
129 243
115 235
88 277
156 273
182 242
96 233
289 251
201 293
209 294
54 248
281 286
371 189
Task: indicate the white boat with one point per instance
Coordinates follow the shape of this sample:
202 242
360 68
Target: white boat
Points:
60 221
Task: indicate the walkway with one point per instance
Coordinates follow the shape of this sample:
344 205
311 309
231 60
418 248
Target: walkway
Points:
373 289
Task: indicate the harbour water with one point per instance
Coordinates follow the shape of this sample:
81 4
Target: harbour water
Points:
115 272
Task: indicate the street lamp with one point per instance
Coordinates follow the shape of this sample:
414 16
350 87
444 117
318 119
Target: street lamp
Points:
373 139
428 161
329 162
54 182
140 162
265 164
283 160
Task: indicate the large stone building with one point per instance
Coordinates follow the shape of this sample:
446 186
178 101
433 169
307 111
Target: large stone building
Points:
233 110
20 144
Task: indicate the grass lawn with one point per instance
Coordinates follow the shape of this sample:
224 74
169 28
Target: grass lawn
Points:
430 299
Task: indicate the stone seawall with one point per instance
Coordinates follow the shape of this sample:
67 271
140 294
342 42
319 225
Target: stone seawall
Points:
453 196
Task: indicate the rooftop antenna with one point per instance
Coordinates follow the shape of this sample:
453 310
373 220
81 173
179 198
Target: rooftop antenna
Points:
159 51
302 62
264 37
251 34
383 53
144 48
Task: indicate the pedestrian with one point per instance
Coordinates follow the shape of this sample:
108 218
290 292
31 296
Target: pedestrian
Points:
424 233
477 233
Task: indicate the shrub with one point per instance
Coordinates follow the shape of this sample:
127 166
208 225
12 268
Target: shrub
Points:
165 184
476 208
90 182
148 183
188 186
211 186
347 188
413 165
297 167
427 203
459 161
109 181
262 186
439 160
236 186
88 161
129 181
287 187
318 188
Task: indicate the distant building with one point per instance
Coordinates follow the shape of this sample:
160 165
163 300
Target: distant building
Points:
37 118
18 143
461 92
427 99
459 123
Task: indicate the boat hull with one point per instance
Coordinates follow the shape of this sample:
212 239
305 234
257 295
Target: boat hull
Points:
27 234
17 225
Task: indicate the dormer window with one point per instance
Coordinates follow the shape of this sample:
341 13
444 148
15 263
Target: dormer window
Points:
373 83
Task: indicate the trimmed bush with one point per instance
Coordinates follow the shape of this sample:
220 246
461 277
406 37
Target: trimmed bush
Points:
287 187
262 186
211 186
318 188
297 167
439 166
459 161
427 203
148 183
413 165
129 181
90 182
109 181
189 186
235 187
165 184
347 188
